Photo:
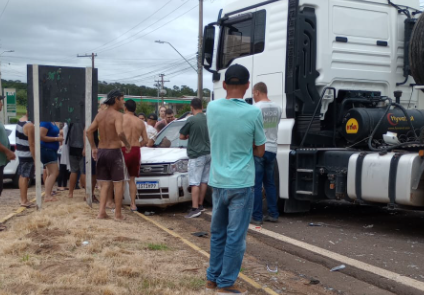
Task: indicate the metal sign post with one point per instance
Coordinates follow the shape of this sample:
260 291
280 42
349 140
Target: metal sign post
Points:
88 116
35 81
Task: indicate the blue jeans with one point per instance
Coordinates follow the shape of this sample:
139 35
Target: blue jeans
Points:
265 175
232 209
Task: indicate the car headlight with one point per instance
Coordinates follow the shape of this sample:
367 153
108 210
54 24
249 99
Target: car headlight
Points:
179 166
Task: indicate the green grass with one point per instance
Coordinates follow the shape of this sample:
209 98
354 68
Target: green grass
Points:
157 247
25 258
20 110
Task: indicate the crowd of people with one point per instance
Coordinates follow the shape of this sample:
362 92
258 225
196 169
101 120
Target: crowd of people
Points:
62 151
232 149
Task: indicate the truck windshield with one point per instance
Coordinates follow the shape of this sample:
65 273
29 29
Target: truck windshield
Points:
170 136
242 38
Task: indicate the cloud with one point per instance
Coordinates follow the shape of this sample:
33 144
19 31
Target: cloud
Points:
54 32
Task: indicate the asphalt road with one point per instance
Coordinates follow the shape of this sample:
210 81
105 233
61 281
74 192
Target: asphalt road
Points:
389 239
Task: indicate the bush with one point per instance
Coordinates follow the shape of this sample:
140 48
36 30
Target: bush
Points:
13 120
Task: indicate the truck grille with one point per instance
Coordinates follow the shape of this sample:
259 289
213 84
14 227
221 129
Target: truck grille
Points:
161 193
159 169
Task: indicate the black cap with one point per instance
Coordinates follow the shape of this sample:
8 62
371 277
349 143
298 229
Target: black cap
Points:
152 116
237 75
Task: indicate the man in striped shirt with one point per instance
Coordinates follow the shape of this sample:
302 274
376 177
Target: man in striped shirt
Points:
25 150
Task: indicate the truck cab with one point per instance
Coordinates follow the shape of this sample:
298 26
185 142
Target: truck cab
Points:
341 72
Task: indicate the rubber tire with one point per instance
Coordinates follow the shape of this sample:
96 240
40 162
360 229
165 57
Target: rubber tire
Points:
15 181
416 51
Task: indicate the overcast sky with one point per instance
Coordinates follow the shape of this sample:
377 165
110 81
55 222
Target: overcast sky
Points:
121 32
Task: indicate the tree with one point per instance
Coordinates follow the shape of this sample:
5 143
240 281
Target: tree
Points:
21 97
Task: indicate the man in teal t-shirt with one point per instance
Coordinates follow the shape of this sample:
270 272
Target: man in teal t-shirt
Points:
236 134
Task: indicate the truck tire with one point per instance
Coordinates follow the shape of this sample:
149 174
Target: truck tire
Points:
416 51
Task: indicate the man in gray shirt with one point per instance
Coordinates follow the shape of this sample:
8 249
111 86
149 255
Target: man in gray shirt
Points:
75 141
264 166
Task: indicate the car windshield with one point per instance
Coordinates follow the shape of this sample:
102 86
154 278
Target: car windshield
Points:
170 136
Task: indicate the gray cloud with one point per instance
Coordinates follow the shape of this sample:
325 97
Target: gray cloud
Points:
54 32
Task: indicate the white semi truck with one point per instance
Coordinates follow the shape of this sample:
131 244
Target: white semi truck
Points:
343 72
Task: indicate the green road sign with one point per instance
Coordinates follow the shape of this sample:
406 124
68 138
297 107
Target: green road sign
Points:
10 101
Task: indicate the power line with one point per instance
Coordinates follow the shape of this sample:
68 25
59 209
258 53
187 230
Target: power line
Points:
122 44
136 26
4 8
162 69
133 27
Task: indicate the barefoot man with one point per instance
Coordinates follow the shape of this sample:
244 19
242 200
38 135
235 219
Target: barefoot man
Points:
134 128
110 161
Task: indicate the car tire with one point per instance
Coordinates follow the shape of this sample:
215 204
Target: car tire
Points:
15 181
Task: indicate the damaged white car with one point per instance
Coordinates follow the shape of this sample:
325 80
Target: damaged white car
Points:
163 177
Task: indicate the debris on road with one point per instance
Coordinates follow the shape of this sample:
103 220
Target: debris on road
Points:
368 226
313 282
315 224
147 213
272 270
340 267
200 234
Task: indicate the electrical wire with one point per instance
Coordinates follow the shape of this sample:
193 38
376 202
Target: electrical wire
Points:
7 3
158 71
130 41
138 31
92 50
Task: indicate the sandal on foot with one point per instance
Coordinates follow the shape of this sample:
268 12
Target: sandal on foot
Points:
30 205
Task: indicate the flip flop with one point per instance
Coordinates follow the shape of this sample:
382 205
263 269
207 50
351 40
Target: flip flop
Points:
31 205
134 210
2 227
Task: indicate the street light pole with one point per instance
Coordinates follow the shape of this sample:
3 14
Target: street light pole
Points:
162 42
198 71
2 117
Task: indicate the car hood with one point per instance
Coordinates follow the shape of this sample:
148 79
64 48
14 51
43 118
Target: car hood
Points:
162 155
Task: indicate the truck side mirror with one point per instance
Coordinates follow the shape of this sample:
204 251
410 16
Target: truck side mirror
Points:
208 45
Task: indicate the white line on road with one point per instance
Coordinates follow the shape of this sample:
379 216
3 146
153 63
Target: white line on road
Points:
341 258
344 259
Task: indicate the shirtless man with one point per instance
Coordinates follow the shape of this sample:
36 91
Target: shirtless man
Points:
110 161
134 128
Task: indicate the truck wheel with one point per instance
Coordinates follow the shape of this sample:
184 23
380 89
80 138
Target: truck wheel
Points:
416 51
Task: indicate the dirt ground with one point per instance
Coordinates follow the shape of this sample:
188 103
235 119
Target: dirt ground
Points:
64 249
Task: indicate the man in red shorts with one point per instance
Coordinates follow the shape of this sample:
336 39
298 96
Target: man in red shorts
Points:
134 128
110 161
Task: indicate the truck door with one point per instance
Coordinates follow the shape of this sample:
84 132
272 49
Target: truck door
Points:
237 44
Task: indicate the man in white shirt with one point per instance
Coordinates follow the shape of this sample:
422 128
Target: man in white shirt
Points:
151 130
264 166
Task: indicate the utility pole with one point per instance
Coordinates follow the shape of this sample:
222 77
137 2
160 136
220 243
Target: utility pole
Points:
199 53
161 91
89 55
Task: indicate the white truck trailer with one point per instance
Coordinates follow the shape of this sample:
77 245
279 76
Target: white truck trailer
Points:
343 72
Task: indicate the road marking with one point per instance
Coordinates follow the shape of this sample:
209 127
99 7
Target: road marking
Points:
343 259
17 211
204 253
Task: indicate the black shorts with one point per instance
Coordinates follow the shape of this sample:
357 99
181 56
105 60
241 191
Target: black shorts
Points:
110 165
